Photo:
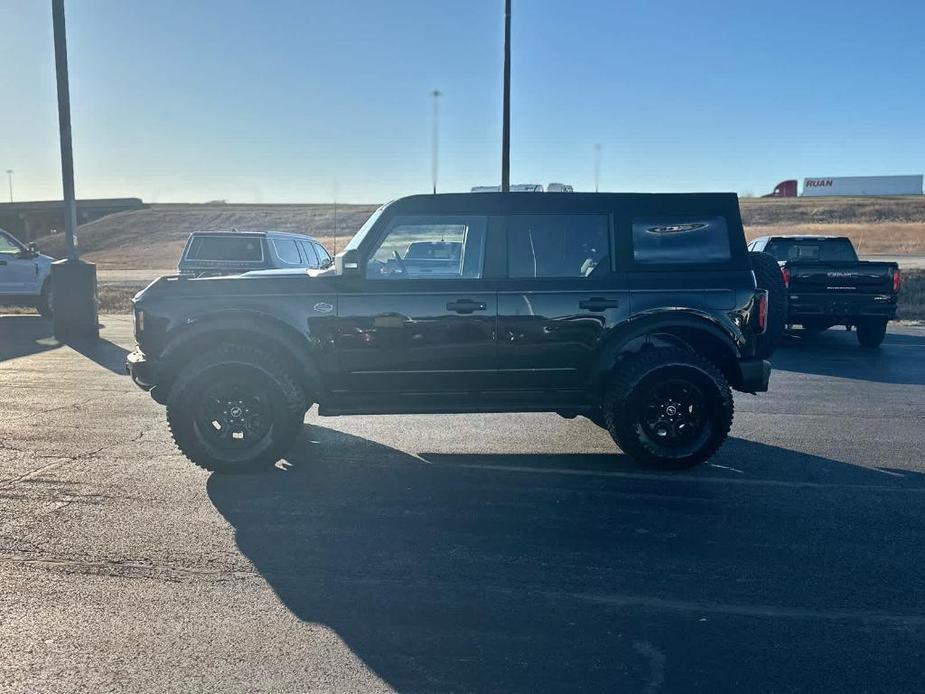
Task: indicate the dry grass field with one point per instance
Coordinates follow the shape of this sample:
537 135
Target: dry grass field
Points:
881 225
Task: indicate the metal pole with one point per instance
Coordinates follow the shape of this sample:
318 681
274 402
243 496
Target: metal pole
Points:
506 118
434 139
597 166
64 126
335 219
9 173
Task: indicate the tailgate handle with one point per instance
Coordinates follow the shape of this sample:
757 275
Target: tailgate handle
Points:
596 303
466 306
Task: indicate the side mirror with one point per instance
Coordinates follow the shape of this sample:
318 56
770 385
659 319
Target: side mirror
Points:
32 248
348 263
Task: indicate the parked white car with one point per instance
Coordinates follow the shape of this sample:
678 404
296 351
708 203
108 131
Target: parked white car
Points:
25 275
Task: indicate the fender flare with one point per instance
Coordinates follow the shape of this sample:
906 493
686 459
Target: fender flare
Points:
284 338
665 321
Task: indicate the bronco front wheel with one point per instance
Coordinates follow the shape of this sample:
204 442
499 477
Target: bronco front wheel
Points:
669 408
234 409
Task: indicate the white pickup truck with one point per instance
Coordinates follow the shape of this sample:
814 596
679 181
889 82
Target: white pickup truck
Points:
25 275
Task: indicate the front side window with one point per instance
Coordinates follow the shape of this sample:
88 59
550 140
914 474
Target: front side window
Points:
8 246
680 241
558 245
287 250
430 248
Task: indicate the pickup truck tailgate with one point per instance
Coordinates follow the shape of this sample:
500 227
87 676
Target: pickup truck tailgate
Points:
848 277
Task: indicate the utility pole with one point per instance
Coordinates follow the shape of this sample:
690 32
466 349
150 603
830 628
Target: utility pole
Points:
597 166
9 174
435 142
73 282
64 128
506 115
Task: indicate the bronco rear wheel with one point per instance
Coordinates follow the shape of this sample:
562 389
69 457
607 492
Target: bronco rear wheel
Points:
234 409
668 408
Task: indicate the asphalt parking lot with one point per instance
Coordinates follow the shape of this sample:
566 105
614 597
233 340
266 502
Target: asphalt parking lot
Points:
490 553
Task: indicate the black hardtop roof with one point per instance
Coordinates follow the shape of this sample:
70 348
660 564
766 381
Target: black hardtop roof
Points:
499 203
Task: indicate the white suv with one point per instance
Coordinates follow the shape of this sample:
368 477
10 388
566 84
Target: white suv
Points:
25 275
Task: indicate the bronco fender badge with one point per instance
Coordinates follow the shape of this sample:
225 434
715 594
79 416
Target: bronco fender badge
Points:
323 307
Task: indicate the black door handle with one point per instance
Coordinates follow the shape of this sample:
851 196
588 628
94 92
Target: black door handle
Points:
2 262
465 306
596 303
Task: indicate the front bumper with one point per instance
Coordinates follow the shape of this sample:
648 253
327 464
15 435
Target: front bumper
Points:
143 372
756 374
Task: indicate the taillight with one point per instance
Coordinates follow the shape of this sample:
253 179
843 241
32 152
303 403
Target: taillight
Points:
785 272
763 312
897 281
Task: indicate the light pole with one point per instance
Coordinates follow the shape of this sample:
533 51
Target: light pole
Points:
434 151
506 114
597 166
73 282
9 173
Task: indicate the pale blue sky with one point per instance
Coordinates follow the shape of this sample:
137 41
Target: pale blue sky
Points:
282 100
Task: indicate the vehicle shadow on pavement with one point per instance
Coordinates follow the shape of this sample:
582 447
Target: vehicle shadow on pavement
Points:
586 572
835 352
22 336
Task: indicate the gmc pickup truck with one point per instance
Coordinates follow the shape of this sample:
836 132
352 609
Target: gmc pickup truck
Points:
827 285
639 312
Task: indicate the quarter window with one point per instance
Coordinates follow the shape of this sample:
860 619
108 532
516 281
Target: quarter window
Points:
308 252
287 250
680 241
323 254
558 245
430 248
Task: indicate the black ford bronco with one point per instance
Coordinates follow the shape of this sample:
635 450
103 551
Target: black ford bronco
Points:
637 311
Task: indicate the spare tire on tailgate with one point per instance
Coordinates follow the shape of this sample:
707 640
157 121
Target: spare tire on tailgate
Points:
768 276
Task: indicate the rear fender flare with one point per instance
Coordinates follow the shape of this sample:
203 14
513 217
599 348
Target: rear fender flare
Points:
672 322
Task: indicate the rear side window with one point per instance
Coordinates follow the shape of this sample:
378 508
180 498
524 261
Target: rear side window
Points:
288 251
558 245
219 248
679 241
832 251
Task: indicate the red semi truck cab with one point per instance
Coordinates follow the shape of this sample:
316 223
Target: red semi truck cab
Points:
784 189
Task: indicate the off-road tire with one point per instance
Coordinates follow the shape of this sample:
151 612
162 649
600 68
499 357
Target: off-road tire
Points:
871 331
625 406
43 305
768 276
234 364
